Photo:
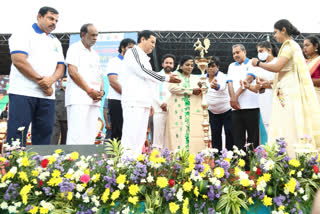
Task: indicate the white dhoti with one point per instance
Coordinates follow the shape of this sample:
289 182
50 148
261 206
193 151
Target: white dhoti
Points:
82 124
159 130
134 130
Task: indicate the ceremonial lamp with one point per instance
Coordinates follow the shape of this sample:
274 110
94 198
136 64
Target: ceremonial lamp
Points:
202 63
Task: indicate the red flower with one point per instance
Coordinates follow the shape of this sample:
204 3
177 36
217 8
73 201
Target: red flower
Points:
171 182
84 178
258 171
40 183
315 169
44 163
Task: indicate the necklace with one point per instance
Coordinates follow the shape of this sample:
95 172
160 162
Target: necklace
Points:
312 58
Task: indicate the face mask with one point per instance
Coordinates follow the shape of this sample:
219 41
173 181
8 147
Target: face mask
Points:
64 84
263 56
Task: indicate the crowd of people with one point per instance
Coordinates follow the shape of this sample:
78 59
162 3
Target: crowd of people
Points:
283 88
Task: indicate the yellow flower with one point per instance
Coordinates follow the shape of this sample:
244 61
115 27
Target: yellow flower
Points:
69 196
134 189
24 193
294 163
206 168
105 195
292 172
291 185
34 209
192 162
185 209
55 181
67 176
133 200
267 201
196 191
187 186
173 207
204 196
245 182
141 157
8 175
227 159
281 207
2 160
162 182
74 155
236 171
51 159
121 179
219 172
87 171
96 177
25 161
58 151
267 177
90 191
250 201
35 173
241 163
56 173
44 210
23 176
115 195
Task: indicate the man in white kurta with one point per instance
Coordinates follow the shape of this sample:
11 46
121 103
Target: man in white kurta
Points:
84 88
138 93
160 104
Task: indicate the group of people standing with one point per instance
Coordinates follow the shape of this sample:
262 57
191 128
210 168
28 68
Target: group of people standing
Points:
235 100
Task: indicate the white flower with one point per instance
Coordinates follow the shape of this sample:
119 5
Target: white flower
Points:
78 195
44 175
269 165
70 171
79 188
195 177
305 197
18 204
110 162
47 205
8 182
21 128
3 185
180 195
38 193
262 160
14 170
97 203
94 209
299 174
150 178
301 190
120 165
261 186
143 180
12 209
230 154
126 210
86 199
121 186
314 176
225 190
242 153
4 205
15 144
254 169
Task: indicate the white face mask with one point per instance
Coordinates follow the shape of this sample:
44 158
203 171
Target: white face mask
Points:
263 56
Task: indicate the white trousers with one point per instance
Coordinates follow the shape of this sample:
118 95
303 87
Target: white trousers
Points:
159 130
134 130
82 124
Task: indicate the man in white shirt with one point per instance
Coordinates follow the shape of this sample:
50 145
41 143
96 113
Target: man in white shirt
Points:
114 69
84 88
219 105
37 63
244 103
138 93
160 104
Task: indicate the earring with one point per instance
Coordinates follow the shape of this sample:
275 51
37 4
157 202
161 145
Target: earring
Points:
316 50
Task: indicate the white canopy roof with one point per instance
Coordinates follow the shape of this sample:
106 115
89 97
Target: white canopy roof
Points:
165 15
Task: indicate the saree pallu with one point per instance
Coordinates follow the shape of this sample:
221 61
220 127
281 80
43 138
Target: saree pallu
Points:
295 110
314 66
185 116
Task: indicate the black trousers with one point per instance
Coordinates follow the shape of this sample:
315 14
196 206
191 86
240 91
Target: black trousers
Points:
216 123
60 128
245 121
115 110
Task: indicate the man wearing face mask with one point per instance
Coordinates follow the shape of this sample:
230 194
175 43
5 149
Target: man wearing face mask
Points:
60 124
160 104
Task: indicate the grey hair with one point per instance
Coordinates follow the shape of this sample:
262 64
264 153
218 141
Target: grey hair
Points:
239 45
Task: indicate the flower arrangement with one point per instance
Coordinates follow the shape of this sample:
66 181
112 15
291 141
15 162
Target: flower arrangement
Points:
157 181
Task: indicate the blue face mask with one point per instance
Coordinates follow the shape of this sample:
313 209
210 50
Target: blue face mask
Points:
64 84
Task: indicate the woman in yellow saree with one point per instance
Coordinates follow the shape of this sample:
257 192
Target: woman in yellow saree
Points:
185 114
295 109
311 49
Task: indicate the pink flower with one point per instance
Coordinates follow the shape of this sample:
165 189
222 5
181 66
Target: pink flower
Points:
84 178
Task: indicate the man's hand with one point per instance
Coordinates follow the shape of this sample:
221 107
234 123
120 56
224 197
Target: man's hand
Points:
95 95
254 61
164 107
244 84
108 126
214 84
45 82
174 78
196 91
48 91
235 103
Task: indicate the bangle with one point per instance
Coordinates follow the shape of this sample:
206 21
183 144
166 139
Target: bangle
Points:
90 91
258 63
